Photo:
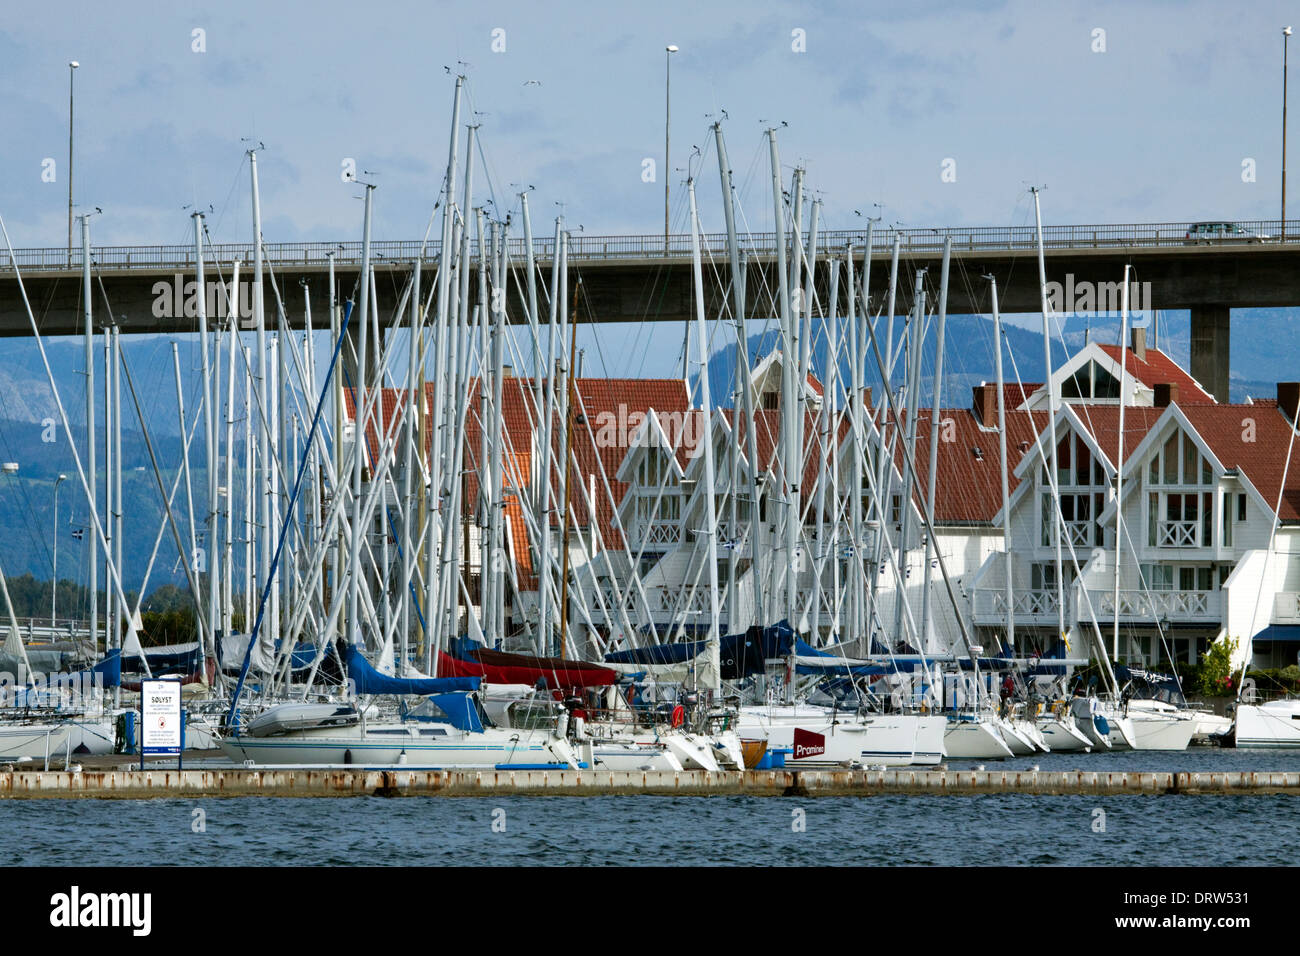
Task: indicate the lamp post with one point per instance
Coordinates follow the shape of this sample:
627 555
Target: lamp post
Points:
668 72
1286 36
54 582
72 66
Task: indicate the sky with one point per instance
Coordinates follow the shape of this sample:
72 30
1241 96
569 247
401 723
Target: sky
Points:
1135 111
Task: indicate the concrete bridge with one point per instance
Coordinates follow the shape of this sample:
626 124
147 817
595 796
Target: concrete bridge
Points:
643 278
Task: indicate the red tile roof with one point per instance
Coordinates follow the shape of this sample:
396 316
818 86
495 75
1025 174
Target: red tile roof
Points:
1159 368
1103 422
613 409
968 488
1253 439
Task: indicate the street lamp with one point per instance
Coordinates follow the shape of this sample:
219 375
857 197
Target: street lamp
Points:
1286 36
54 583
668 70
72 65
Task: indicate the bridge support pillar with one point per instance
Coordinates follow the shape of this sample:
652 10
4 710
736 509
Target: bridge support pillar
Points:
1210 348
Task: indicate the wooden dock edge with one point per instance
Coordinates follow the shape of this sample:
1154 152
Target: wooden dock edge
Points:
159 783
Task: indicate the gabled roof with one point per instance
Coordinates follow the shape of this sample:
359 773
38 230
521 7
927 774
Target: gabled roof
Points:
1102 423
1253 439
1158 368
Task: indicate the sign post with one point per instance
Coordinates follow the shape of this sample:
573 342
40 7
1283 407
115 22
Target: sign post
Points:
160 719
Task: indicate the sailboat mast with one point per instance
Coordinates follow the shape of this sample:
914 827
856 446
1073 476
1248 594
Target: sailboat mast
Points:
930 543
543 640
706 448
744 386
359 433
789 467
210 437
89 332
110 599
568 445
1119 457
227 560
1005 465
1051 417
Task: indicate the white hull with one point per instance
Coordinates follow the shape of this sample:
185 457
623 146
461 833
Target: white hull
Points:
1122 736
612 755
414 744
1210 725
1272 724
1062 736
974 740
1160 731
34 741
1024 737
897 740
1158 725
94 735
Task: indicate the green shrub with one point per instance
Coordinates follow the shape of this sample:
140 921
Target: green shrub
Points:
1214 675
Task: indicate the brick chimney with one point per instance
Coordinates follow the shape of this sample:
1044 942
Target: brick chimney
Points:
1288 398
984 403
1166 394
1140 344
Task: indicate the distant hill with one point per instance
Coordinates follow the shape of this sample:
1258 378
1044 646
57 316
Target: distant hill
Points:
1258 364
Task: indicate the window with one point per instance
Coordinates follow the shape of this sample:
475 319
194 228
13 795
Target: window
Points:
1042 576
1158 577
1241 507
1179 462
1227 521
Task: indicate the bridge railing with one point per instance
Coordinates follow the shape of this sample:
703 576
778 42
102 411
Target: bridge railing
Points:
584 247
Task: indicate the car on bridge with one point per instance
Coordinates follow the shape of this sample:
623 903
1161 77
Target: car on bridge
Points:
1209 232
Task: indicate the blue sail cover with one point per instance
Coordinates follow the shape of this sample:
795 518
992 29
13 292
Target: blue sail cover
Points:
833 666
658 654
740 655
461 710
367 680
110 668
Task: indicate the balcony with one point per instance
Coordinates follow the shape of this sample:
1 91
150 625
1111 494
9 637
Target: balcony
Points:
655 535
1286 607
1150 607
1030 607
1176 534
1079 533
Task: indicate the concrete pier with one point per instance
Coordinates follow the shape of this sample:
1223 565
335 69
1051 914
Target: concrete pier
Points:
346 782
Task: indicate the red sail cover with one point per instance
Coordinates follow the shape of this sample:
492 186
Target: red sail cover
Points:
498 667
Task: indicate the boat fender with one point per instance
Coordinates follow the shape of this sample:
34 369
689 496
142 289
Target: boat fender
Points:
679 715
562 725
579 728
1101 724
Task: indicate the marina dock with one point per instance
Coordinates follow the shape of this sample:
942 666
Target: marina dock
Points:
350 782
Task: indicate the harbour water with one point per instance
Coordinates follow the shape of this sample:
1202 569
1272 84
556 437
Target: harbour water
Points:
648 830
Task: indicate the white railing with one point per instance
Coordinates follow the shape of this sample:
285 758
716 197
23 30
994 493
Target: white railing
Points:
1155 606
1177 534
1256 233
990 606
1286 607
654 533
1080 533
